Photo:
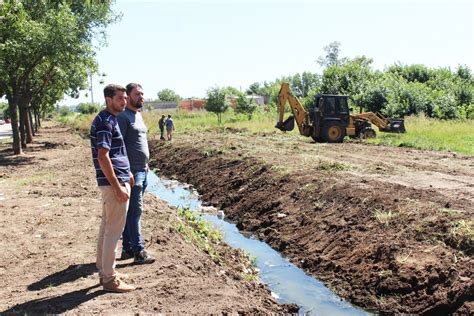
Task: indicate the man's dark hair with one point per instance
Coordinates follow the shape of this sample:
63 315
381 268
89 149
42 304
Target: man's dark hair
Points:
111 89
132 86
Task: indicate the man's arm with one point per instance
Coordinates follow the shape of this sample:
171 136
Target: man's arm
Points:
132 179
106 165
123 123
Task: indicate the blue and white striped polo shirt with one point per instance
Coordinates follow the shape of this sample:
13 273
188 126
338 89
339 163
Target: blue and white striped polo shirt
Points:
105 133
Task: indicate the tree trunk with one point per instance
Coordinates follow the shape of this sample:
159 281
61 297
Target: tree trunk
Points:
32 127
13 106
38 119
22 128
35 116
22 123
25 123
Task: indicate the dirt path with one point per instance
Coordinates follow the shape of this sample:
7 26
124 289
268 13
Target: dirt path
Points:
390 229
50 210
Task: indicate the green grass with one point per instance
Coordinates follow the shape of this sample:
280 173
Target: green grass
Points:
198 231
332 165
206 121
422 133
80 122
432 134
462 232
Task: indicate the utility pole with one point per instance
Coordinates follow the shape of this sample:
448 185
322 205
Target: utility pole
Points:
92 90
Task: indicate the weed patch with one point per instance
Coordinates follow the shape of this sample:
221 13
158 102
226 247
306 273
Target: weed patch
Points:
199 232
461 234
332 165
384 218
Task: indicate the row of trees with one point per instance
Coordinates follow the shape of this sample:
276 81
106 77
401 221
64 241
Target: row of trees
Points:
397 91
47 49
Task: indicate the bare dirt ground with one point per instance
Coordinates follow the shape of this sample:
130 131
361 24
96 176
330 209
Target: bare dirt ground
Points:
389 229
50 214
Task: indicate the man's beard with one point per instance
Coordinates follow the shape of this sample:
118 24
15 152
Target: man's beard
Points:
138 105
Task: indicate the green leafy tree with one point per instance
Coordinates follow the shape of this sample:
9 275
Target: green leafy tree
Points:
351 78
245 106
168 95
87 108
46 50
412 73
255 89
217 102
4 110
332 56
231 91
64 110
302 84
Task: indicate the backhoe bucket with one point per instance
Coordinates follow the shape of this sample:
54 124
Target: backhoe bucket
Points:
287 125
397 126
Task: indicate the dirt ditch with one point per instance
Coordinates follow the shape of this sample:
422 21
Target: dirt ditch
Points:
377 225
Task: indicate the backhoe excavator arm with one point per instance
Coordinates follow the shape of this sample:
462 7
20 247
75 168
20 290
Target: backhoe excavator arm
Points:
299 113
384 124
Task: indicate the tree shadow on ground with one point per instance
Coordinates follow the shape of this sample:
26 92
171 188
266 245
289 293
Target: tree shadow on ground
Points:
70 274
56 304
7 158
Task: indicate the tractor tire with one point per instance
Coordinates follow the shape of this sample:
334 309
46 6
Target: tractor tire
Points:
367 132
317 139
333 132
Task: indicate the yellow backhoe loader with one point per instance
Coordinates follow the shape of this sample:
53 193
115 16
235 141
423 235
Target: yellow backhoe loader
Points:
329 119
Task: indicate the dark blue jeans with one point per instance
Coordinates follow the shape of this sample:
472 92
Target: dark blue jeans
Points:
132 238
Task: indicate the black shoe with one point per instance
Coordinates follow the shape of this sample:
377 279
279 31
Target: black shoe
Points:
126 254
143 258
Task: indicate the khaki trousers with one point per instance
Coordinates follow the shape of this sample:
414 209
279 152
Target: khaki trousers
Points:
114 215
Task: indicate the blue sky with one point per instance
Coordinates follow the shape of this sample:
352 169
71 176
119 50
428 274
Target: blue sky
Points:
190 46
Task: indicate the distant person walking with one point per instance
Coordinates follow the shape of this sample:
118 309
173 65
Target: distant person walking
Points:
161 124
134 134
114 179
169 127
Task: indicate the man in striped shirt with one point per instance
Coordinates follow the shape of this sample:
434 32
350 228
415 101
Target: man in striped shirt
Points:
114 180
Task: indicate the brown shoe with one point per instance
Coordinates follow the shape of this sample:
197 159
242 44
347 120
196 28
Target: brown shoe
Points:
121 276
118 286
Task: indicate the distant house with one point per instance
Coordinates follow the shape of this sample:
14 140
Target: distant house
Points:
157 105
192 104
257 99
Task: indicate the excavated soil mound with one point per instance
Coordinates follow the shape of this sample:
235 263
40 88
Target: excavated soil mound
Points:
384 246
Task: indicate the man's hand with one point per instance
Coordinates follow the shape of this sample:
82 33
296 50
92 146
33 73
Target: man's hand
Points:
132 180
121 194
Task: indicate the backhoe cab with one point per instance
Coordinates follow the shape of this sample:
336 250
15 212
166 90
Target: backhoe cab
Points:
329 119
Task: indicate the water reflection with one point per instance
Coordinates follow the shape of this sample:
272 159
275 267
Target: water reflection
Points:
288 283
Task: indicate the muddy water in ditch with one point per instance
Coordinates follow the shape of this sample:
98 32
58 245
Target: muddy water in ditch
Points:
288 283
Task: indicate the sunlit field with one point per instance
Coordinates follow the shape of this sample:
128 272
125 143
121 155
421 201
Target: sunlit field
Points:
432 134
422 132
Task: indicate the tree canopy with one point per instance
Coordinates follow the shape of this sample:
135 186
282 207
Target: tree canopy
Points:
217 102
46 50
397 91
168 95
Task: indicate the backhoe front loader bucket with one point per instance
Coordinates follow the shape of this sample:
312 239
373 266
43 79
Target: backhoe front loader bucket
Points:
287 125
396 126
